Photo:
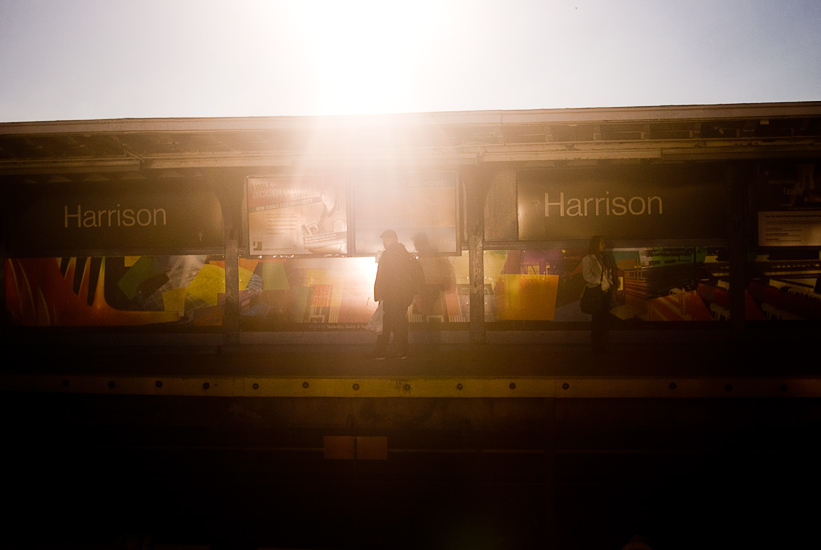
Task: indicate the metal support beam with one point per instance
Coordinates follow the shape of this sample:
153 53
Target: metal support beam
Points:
476 190
230 317
735 177
68 166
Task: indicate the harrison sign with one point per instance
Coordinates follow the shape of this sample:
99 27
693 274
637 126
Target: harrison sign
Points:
669 202
147 216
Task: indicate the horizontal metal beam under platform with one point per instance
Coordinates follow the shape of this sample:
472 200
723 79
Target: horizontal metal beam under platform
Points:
420 387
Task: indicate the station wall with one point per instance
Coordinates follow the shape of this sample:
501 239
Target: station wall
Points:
670 228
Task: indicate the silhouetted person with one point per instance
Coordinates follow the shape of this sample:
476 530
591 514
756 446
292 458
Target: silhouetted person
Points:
439 279
598 272
396 283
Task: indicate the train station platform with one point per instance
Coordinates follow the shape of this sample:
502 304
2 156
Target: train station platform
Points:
524 444
671 364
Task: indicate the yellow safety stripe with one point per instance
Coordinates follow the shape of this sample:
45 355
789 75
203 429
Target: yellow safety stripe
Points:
450 387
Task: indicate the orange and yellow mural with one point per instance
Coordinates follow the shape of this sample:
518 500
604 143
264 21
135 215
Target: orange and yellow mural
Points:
115 291
336 293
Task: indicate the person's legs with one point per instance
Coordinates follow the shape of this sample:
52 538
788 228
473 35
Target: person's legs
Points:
383 339
400 332
396 321
382 342
598 332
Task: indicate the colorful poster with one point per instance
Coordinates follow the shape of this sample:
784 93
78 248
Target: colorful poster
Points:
297 215
116 291
785 284
420 207
655 284
287 294
789 205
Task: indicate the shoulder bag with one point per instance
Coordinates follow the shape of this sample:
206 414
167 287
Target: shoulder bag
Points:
591 301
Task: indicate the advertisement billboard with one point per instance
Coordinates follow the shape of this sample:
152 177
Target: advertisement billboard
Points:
789 205
297 215
420 206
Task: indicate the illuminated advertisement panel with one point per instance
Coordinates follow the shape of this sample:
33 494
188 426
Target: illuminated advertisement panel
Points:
669 202
789 205
297 215
420 207
337 293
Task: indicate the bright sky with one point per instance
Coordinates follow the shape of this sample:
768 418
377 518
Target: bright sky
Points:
71 59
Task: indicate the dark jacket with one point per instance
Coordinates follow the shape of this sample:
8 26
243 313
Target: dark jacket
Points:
395 276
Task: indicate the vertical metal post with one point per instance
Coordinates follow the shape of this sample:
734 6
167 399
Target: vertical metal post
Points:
230 314
735 177
475 187
5 322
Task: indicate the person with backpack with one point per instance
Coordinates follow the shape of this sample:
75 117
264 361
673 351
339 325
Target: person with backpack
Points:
599 272
399 277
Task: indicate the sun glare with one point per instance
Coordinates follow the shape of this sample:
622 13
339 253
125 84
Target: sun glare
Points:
363 57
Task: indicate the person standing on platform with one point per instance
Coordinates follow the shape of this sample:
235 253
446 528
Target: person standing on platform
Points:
397 281
599 276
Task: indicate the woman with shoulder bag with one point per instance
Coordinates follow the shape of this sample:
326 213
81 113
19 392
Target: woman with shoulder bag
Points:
598 273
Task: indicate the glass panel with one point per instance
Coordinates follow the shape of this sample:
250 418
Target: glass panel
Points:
337 293
306 293
656 284
677 284
785 285
523 285
115 291
446 296
784 270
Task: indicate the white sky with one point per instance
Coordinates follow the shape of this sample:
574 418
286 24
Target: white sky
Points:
65 59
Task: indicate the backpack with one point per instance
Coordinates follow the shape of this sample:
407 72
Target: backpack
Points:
416 283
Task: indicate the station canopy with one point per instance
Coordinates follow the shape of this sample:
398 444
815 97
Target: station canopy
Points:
100 150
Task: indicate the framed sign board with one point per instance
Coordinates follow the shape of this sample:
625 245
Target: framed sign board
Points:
301 215
422 207
789 205
675 202
146 216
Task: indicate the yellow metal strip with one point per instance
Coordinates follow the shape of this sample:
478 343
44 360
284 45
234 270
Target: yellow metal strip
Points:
447 387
